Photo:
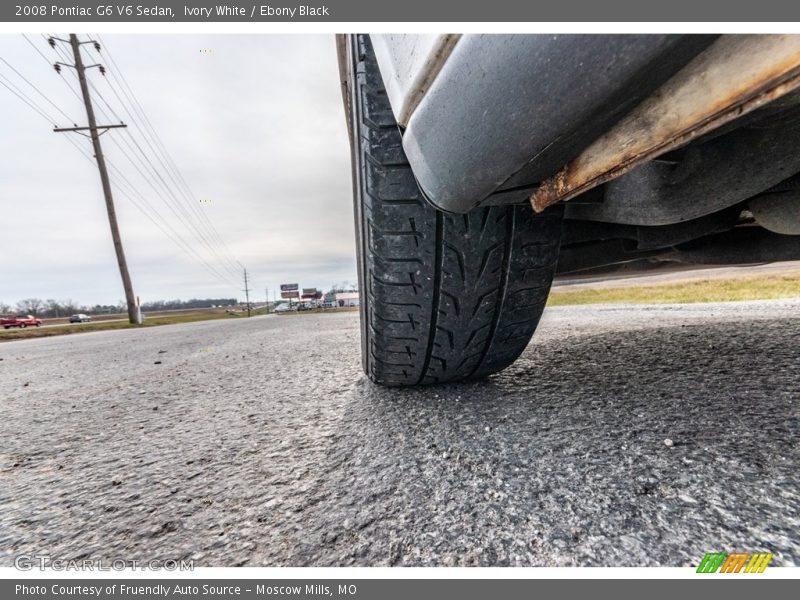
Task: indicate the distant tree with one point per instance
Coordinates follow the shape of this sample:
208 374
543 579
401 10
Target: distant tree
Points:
156 305
69 307
30 306
344 286
4 308
53 308
100 309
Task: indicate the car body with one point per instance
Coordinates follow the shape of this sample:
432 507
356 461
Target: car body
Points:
80 318
649 149
21 322
282 307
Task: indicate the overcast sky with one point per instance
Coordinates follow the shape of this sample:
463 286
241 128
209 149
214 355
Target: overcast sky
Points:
256 126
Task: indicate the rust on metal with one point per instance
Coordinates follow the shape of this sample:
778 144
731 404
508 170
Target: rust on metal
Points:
735 75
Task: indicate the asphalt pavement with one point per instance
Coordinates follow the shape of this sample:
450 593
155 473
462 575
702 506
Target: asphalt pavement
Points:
625 436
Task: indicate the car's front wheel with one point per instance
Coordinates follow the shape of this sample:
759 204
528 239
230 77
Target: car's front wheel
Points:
444 297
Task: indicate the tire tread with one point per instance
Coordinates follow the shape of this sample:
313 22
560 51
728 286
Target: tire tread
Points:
448 297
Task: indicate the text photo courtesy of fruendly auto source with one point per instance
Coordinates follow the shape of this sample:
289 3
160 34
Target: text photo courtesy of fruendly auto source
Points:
399 300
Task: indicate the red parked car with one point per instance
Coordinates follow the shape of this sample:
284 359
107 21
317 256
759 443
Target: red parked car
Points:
21 322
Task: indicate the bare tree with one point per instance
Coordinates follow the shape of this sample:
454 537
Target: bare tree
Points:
69 306
4 308
30 306
54 308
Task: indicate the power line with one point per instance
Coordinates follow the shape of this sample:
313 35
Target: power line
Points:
26 99
60 74
180 241
165 153
176 239
171 199
134 314
173 203
93 87
108 106
38 91
167 202
130 190
203 237
47 60
207 238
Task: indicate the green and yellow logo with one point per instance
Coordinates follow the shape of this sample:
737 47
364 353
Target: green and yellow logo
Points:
744 562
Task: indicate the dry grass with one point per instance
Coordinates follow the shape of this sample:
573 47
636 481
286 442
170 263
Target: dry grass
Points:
150 321
704 290
35 332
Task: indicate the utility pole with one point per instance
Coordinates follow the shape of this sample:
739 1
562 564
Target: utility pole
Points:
246 291
134 315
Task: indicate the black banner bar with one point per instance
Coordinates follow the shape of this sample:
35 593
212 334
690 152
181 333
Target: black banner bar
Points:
394 589
406 11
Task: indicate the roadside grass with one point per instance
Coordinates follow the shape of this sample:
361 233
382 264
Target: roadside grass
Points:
704 290
150 321
37 332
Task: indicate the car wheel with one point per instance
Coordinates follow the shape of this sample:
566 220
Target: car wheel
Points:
444 297
22 326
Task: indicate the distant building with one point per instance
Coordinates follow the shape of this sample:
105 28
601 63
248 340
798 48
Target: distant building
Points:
346 299
329 299
311 294
311 297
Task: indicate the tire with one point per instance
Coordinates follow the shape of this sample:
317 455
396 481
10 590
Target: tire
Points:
444 297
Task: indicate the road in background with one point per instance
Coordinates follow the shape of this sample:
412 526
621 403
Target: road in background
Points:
259 442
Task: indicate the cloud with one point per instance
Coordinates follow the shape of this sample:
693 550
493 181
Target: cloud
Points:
256 127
